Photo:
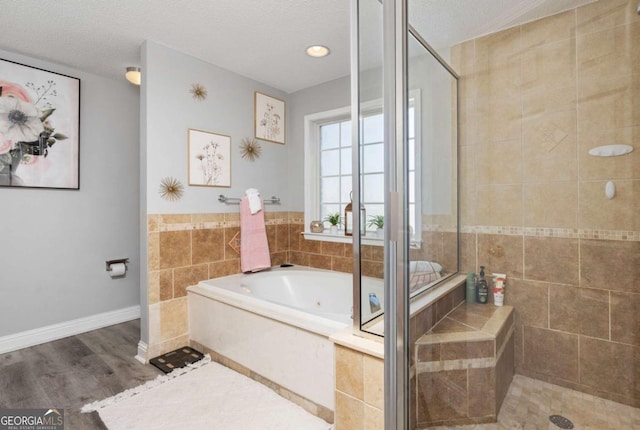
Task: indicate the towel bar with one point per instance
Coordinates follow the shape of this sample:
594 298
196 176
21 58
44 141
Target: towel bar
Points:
236 200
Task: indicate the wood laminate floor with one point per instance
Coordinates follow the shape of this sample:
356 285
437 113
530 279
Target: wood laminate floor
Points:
73 371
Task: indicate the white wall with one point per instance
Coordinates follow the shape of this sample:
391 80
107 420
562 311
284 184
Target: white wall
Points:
54 243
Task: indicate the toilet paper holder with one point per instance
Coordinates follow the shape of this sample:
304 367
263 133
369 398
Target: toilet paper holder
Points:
117 261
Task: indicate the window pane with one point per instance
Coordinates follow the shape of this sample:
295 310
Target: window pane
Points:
329 209
330 162
345 161
373 158
345 133
373 188
412 114
330 136
412 187
373 129
330 190
412 154
345 189
412 218
373 210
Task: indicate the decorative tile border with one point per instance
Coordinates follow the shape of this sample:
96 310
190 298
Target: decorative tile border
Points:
566 233
227 220
207 221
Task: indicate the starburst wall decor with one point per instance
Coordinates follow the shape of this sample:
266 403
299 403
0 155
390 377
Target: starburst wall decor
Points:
171 189
198 92
250 149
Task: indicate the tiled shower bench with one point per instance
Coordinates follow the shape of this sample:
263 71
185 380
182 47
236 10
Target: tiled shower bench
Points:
464 366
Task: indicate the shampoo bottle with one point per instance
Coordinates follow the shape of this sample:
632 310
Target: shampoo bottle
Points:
483 288
471 288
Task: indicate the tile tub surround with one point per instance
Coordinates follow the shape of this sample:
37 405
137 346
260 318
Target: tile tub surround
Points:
359 382
464 366
306 404
184 249
533 100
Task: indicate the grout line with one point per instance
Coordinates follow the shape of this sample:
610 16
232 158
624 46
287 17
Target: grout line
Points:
610 338
577 120
522 178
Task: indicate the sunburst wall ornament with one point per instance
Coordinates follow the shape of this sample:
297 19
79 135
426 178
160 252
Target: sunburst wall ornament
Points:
171 189
198 92
250 149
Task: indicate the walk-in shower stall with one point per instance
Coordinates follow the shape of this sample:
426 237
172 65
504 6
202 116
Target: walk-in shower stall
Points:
486 163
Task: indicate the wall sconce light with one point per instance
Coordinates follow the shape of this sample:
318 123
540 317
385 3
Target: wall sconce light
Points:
133 75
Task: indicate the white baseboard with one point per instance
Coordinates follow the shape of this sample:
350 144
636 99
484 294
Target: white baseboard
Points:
40 335
142 352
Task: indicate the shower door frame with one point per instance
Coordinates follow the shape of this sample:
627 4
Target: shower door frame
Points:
396 31
396 268
396 246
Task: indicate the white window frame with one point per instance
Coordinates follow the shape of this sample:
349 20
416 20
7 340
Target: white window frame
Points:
312 124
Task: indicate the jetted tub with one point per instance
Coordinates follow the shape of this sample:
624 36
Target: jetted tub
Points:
277 323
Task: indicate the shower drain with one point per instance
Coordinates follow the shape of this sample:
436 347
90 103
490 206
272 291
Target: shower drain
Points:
561 422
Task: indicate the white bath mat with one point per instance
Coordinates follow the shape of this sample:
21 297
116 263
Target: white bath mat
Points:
205 395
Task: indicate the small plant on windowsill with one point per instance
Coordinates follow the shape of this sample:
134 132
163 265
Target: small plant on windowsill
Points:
334 220
377 221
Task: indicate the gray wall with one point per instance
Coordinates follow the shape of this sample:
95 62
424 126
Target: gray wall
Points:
54 243
435 86
170 110
331 95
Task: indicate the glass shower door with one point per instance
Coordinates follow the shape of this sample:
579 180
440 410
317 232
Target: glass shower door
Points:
396 75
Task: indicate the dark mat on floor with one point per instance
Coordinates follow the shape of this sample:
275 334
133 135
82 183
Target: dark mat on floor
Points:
176 359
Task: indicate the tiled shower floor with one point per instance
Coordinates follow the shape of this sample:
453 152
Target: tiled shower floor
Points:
530 402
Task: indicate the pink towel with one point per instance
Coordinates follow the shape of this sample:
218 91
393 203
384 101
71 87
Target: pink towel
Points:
254 248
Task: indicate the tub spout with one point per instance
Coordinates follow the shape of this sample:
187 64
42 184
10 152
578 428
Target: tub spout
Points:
374 303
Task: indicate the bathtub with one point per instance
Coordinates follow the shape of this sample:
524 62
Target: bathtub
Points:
277 323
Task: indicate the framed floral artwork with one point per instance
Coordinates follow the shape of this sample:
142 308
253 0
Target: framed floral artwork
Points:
209 159
39 128
269 118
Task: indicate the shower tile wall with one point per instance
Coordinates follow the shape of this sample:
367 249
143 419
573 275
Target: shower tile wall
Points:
184 249
533 100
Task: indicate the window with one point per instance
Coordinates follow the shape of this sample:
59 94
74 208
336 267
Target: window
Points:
328 163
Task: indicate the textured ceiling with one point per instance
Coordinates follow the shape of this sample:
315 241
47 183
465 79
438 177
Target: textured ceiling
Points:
261 39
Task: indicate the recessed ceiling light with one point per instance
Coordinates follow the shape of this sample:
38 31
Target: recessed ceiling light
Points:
317 51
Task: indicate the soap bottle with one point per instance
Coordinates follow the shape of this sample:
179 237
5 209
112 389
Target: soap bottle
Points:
471 288
482 288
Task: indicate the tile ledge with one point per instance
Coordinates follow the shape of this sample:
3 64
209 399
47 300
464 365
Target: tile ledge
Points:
346 338
432 295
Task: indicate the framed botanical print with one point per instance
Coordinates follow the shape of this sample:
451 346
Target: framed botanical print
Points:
209 163
269 118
